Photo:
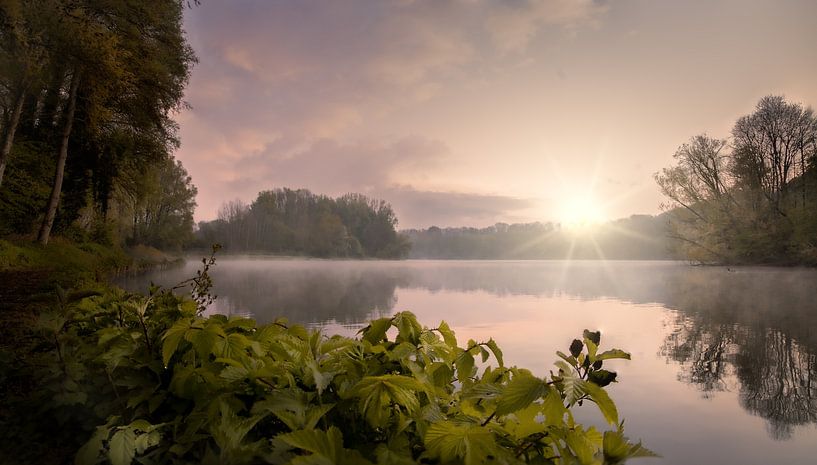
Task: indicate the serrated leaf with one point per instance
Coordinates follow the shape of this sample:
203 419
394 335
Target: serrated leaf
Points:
496 351
328 444
122 447
617 448
376 331
582 446
603 401
233 346
465 366
613 353
471 444
376 393
448 335
574 388
320 378
146 441
408 328
520 392
234 374
172 337
553 409
568 358
593 336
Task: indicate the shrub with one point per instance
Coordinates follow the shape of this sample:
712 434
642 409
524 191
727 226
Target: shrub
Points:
150 379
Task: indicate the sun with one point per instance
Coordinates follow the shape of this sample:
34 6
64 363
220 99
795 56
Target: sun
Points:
580 210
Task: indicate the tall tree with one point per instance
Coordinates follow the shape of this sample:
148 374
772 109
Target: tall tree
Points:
132 62
20 61
736 206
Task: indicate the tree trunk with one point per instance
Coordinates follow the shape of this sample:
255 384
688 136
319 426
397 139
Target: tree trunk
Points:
10 129
54 200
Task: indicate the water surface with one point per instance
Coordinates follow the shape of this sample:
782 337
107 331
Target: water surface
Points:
724 367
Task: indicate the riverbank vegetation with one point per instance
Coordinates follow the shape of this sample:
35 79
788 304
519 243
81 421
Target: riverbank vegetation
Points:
751 198
118 378
298 222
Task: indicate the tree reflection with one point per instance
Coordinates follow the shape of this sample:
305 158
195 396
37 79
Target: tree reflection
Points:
773 373
308 295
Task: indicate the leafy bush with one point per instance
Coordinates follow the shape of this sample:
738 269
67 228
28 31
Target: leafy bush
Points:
225 391
151 380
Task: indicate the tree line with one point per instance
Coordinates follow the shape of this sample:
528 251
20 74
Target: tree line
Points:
751 198
298 222
88 89
636 237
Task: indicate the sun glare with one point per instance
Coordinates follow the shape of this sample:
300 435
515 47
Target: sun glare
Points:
581 210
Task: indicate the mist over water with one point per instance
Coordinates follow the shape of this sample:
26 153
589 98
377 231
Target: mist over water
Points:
724 365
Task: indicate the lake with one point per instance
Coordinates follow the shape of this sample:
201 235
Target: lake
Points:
724 360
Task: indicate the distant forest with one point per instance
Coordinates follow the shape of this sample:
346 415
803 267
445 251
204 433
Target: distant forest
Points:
298 222
639 237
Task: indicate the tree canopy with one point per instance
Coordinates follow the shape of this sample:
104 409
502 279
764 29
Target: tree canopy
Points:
749 198
87 92
287 221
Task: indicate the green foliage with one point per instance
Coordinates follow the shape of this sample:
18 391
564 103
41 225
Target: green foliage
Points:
287 221
151 380
124 64
749 199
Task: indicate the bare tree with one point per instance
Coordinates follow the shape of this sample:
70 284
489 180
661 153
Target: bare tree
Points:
771 144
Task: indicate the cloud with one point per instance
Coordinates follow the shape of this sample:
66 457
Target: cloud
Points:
293 93
513 25
419 208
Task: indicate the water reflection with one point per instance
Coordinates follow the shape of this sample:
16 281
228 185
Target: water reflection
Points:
773 373
749 330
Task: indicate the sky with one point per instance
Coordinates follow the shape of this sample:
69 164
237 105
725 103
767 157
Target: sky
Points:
473 112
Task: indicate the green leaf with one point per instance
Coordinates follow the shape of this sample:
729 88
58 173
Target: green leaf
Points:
448 335
233 346
574 388
520 392
204 340
376 331
320 378
122 447
376 393
496 351
593 336
601 377
146 441
472 444
172 338
602 399
617 448
568 358
234 374
408 328
465 366
582 446
613 353
553 409
326 448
